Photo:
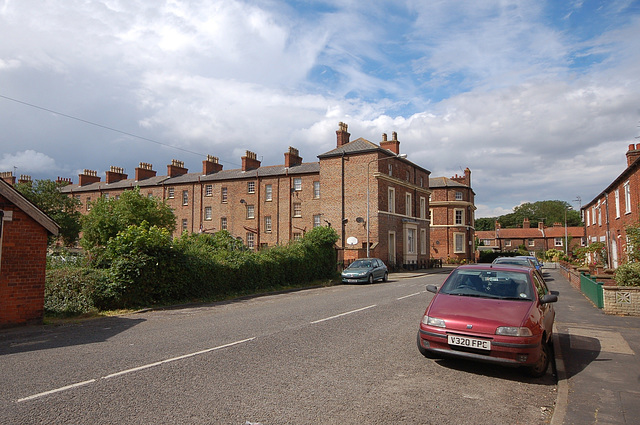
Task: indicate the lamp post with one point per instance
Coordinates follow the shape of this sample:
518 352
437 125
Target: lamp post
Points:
403 155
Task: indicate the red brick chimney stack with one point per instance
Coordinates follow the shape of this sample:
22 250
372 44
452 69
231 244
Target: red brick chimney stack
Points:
343 134
144 171
176 168
24 179
8 177
393 145
633 153
250 161
115 174
64 180
292 158
526 224
88 177
211 165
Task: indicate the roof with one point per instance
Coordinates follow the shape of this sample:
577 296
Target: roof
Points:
631 169
444 182
530 233
28 207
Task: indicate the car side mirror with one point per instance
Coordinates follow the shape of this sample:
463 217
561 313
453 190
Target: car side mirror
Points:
549 298
432 288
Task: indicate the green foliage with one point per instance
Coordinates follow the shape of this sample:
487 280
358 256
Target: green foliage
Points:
548 212
633 243
72 291
485 223
110 216
628 274
555 255
63 209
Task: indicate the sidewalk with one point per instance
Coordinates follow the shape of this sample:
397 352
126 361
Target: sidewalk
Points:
597 360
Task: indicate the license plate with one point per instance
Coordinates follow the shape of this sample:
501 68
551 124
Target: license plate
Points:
352 280
462 341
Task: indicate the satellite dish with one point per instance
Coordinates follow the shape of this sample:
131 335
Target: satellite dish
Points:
351 240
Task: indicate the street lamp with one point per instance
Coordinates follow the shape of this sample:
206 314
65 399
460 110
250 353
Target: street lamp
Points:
402 155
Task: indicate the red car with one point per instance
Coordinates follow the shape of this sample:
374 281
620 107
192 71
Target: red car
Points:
493 313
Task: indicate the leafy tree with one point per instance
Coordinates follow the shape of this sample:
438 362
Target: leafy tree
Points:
46 195
633 244
108 217
485 223
548 212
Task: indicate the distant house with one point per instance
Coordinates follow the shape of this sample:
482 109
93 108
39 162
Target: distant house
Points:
534 239
607 215
23 257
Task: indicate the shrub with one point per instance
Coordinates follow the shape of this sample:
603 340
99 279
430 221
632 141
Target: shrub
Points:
71 291
628 274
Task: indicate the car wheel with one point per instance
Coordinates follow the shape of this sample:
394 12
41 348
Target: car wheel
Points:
539 369
386 277
428 354
371 278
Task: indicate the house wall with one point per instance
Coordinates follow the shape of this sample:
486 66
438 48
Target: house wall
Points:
22 268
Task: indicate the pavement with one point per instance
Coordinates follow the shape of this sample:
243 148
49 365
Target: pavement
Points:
597 360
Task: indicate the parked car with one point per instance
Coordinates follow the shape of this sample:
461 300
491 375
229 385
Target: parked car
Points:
494 313
365 270
516 261
534 260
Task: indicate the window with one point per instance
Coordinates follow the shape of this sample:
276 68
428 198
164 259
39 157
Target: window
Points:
558 241
532 242
627 198
316 190
251 187
297 209
250 211
408 204
171 194
317 220
392 200
617 203
411 241
423 241
599 215
208 190
106 196
408 176
184 224
391 169
423 207
268 193
223 195
507 242
297 236
459 216
223 223
297 184
430 217
593 215
421 181
458 196
458 243
207 213
250 240
267 224
88 203
487 242
588 217
185 197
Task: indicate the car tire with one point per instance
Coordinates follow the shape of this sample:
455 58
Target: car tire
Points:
371 278
539 369
428 354
385 277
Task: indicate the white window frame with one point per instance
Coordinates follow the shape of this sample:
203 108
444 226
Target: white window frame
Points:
391 196
185 197
297 184
251 187
458 196
316 190
507 242
588 217
423 207
268 193
185 225
224 195
532 242
223 223
407 207
411 240
627 198
558 242
297 209
459 247
617 196
317 220
250 240
459 211
251 211
170 193
267 224
208 190
207 213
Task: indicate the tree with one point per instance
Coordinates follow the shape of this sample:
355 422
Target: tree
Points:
548 212
486 223
63 209
108 217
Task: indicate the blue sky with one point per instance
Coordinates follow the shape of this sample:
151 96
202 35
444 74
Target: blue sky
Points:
539 99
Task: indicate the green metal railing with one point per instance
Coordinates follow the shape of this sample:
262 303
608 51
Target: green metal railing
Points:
592 289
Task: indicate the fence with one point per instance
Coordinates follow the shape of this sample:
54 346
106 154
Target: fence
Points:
592 290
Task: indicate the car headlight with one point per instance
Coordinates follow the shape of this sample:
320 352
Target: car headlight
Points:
513 331
433 321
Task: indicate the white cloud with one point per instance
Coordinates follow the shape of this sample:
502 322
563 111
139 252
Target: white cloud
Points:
28 162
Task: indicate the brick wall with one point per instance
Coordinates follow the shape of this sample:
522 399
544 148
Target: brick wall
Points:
22 269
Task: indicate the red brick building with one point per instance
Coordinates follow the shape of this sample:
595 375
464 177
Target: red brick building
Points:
616 207
452 210
359 185
23 257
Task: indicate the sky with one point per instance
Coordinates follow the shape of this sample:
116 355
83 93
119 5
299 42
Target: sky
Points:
540 99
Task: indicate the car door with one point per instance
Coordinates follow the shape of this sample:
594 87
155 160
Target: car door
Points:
548 313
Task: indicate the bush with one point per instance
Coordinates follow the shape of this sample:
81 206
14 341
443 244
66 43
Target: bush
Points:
72 291
628 274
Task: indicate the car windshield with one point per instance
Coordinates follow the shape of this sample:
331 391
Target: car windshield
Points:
500 284
360 264
515 261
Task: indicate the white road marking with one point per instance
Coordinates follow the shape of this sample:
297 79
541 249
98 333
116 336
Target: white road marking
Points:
343 314
408 296
135 369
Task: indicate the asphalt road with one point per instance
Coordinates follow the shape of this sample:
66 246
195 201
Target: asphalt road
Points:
338 355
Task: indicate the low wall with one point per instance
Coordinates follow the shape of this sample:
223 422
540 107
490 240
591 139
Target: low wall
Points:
622 300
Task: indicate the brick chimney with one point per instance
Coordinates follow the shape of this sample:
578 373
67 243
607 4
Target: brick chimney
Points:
144 171
393 145
88 177
63 180
211 165
8 177
541 225
115 174
633 153
292 158
250 161
176 168
465 180
343 134
526 224
24 179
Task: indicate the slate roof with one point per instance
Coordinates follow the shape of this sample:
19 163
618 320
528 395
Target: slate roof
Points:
444 182
16 198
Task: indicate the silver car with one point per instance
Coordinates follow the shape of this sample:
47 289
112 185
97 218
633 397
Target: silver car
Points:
365 270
